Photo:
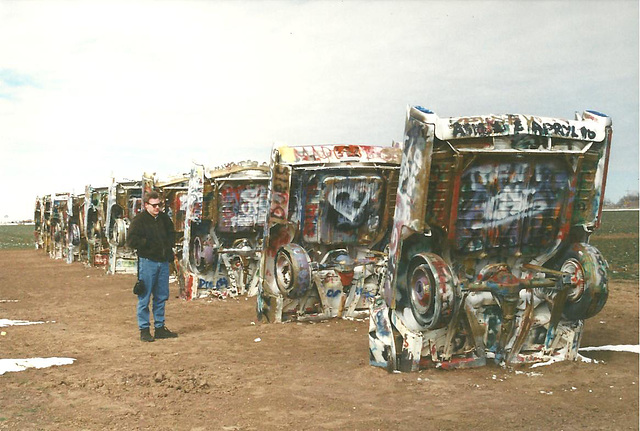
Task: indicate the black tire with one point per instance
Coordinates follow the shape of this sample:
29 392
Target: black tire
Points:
589 290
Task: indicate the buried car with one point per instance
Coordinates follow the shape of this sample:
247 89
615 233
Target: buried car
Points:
224 224
76 240
489 254
59 222
328 226
95 216
40 223
124 201
174 193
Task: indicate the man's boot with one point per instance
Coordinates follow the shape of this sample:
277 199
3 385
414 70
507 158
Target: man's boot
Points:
145 335
163 332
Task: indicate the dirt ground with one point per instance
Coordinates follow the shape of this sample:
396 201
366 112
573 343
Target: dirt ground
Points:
228 372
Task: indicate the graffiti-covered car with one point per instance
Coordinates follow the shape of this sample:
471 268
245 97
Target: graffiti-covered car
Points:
490 255
124 201
174 193
76 239
39 222
329 220
224 224
95 216
59 221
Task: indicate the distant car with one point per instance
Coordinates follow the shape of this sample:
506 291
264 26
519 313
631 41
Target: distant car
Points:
331 208
39 223
76 240
489 254
95 216
58 223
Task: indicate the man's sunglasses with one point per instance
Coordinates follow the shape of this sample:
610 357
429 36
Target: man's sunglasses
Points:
155 205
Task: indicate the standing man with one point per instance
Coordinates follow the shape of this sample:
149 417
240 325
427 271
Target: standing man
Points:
152 235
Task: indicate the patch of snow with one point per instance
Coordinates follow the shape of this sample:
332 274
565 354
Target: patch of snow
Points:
9 322
14 365
617 348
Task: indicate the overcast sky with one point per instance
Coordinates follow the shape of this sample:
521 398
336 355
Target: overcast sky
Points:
91 90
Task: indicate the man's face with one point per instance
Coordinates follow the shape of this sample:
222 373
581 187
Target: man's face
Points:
154 207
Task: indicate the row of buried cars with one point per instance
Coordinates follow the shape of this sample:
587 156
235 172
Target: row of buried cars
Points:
468 242
218 214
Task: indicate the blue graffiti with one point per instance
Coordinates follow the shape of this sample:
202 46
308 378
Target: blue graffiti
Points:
510 205
222 283
205 284
381 327
331 293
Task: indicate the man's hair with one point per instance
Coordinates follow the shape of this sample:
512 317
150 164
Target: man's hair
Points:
151 195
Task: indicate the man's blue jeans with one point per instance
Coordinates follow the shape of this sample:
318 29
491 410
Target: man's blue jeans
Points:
155 276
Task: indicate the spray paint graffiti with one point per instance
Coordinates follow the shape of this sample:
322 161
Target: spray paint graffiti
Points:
338 153
242 206
280 175
489 254
341 209
468 127
507 206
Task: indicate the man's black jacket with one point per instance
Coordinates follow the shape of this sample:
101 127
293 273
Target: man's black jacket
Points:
152 237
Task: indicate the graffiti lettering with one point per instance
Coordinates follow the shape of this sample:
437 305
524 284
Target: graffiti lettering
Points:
487 127
320 153
332 293
514 124
279 192
342 151
205 284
